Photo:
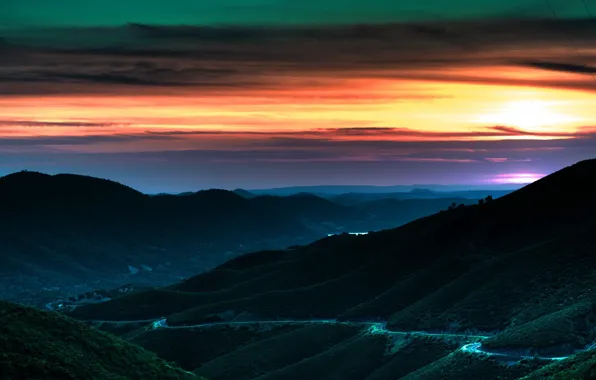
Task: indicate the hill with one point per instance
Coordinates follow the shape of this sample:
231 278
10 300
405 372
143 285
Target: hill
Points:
403 211
63 235
517 269
44 345
336 190
244 193
417 195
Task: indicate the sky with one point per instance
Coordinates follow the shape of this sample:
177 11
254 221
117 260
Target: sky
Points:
185 95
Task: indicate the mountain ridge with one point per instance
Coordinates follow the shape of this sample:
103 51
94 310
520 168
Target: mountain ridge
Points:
62 235
507 266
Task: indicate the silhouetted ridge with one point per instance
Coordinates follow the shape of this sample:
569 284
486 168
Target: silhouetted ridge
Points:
421 191
218 196
305 195
23 177
30 188
244 193
305 205
573 185
551 206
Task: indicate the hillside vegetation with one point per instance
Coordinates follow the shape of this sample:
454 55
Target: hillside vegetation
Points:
45 345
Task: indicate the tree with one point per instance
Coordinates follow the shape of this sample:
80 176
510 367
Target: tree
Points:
481 201
489 198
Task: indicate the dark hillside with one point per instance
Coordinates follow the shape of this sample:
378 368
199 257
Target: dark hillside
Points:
45 345
62 235
518 269
463 254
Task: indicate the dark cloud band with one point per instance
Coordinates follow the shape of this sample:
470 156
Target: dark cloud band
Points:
176 59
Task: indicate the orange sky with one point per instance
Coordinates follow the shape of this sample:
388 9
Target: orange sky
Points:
423 106
504 100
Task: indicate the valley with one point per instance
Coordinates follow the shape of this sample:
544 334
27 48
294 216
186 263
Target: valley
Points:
515 272
501 289
84 234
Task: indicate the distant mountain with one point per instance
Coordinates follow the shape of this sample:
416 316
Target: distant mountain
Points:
33 189
62 235
330 190
43 345
352 199
517 270
421 191
84 233
244 193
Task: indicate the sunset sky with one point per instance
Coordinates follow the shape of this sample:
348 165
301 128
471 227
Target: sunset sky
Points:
183 94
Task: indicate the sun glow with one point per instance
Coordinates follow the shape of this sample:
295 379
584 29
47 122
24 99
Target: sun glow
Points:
533 115
517 178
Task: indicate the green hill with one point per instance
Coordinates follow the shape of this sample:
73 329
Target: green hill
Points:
579 367
45 345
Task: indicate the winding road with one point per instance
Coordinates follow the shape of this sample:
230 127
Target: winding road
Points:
379 328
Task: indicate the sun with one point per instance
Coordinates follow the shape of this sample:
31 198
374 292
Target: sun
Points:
534 115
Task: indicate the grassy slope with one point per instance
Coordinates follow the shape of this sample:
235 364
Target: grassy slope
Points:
462 366
571 326
326 299
195 347
42 345
275 352
351 359
510 290
579 367
415 354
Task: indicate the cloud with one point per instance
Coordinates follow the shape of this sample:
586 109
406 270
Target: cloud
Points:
383 133
318 145
564 67
66 140
512 131
179 59
495 131
38 123
231 133
496 159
